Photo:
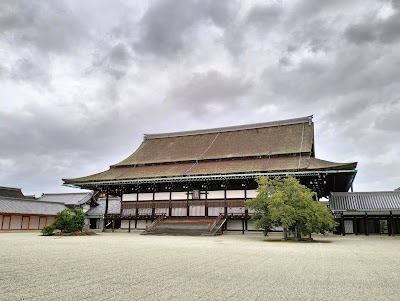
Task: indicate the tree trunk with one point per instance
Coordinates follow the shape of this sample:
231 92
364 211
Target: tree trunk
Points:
284 233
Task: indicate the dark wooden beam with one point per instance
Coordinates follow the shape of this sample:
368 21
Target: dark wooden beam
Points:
342 224
366 224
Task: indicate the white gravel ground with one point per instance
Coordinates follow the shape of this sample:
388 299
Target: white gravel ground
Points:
127 266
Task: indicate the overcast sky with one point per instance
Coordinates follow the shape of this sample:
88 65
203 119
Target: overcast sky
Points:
82 81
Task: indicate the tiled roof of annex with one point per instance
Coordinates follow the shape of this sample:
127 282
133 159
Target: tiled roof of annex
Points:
365 201
69 199
26 206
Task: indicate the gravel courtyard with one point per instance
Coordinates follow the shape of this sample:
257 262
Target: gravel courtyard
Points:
127 266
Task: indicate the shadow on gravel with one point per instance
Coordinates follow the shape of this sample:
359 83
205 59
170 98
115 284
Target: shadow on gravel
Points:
298 241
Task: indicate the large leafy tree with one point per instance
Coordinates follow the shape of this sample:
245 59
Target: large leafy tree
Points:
286 202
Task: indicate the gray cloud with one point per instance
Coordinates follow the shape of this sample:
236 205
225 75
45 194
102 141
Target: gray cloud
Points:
211 87
168 27
48 26
264 17
385 31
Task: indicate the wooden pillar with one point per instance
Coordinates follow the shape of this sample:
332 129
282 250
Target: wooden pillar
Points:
342 224
246 211
170 204
153 210
113 224
355 228
187 203
225 207
242 226
206 204
392 225
105 213
366 223
129 224
122 196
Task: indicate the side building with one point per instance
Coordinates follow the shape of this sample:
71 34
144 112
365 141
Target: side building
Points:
208 173
366 212
19 212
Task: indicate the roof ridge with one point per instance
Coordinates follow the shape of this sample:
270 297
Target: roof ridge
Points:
65 193
231 128
10 188
364 192
30 200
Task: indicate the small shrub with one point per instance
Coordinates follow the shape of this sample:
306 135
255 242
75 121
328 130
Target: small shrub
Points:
48 230
70 220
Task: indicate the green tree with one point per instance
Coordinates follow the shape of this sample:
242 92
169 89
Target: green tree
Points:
286 202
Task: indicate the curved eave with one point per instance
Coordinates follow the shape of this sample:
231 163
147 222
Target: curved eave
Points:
209 177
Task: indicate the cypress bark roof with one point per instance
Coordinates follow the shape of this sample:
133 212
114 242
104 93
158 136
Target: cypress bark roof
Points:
264 139
286 145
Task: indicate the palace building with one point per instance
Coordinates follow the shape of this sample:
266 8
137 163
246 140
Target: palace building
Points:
197 176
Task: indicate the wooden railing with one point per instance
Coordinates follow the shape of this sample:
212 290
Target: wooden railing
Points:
155 222
216 222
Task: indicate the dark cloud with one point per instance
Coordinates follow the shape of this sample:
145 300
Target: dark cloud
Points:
115 61
168 27
264 17
385 31
48 26
211 87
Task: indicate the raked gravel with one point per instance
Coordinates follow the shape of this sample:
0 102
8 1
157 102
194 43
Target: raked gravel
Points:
128 266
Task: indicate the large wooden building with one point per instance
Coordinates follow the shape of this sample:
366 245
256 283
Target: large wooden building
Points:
207 173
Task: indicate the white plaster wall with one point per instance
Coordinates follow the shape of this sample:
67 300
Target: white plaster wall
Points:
34 224
129 211
251 193
148 196
42 222
235 210
217 194
25 223
140 225
50 220
179 211
145 211
215 211
235 194
125 224
6 221
129 197
161 211
16 222
161 196
234 225
179 195
197 210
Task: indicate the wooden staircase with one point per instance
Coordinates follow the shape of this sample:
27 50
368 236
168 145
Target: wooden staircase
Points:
186 226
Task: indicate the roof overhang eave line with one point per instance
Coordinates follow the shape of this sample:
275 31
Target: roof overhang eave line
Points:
209 177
